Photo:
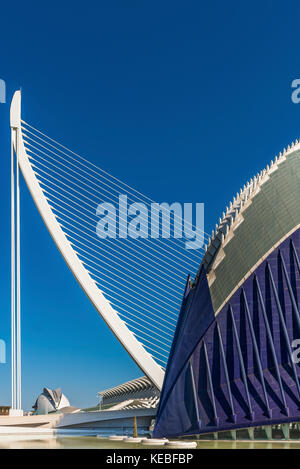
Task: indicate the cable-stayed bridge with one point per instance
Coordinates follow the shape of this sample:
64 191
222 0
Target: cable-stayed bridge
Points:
136 285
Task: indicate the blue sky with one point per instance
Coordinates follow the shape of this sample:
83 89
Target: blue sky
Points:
183 100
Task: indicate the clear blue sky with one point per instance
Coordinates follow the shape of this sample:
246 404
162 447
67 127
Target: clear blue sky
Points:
184 100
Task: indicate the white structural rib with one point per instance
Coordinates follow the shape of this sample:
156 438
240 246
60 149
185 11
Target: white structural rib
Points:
13 279
142 358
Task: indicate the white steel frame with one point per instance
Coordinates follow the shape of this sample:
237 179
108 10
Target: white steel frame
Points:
16 401
135 349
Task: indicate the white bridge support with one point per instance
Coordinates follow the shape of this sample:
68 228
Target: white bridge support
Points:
16 396
136 350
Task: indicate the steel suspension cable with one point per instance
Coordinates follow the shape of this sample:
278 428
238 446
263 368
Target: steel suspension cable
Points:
91 164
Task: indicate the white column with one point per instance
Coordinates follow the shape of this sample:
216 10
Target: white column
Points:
16 398
13 308
18 289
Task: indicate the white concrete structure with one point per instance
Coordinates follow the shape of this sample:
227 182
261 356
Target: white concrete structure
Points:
139 354
50 401
135 394
16 405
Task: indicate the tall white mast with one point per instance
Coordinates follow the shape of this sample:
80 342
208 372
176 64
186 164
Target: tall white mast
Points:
13 278
18 290
16 398
118 326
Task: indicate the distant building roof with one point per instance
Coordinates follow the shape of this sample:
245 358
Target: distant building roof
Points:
50 400
141 389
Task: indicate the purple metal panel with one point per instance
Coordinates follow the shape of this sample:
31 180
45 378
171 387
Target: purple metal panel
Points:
177 415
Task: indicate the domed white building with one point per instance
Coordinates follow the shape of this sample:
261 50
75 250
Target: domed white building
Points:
51 401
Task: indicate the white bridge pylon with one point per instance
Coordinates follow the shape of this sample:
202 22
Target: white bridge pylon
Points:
157 323
16 401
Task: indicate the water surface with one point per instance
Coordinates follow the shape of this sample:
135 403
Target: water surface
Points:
92 442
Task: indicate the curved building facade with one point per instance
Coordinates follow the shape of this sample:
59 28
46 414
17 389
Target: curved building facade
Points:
51 401
233 363
137 393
